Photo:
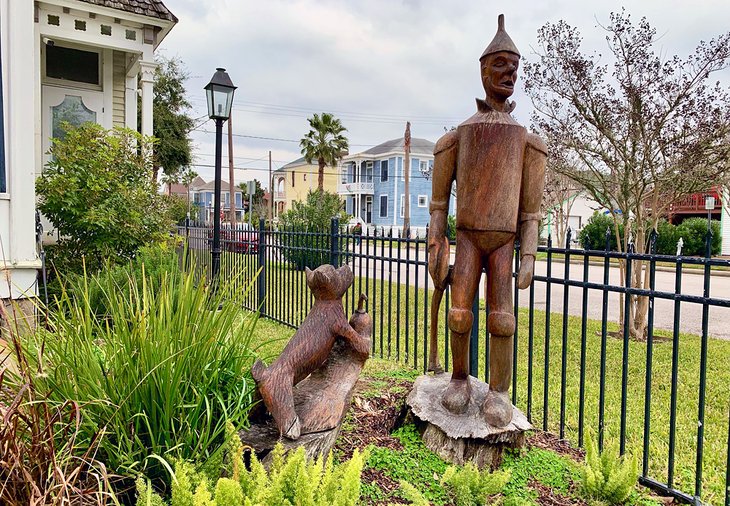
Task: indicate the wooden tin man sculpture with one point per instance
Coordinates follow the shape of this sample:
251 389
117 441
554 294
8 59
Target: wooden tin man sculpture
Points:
499 171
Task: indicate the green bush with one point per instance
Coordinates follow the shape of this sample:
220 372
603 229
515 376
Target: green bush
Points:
607 477
451 227
291 479
153 263
98 192
666 240
157 377
305 229
593 234
693 232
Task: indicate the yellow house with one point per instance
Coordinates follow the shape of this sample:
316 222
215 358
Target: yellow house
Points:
296 179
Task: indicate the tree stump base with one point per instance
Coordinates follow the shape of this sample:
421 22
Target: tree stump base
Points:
467 437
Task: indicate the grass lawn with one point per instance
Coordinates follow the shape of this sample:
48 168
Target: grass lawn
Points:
535 472
399 324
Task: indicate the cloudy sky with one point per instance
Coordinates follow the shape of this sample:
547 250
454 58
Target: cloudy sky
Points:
377 63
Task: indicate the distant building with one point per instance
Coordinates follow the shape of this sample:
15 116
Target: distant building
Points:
202 194
372 184
296 179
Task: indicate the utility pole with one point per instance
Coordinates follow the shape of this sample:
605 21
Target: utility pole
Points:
271 192
231 184
407 175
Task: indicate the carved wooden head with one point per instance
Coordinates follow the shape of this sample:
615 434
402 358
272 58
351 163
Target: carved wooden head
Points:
328 283
499 74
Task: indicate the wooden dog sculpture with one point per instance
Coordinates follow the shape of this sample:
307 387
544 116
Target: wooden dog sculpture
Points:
310 348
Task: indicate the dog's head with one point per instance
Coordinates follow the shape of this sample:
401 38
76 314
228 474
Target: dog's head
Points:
328 283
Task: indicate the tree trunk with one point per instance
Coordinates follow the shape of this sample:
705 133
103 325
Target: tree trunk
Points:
320 175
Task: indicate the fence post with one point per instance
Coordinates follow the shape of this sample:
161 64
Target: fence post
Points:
261 280
335 242
474 339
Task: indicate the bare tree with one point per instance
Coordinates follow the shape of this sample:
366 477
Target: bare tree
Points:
640 131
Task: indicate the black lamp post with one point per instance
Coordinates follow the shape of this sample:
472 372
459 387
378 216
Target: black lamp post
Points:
219 92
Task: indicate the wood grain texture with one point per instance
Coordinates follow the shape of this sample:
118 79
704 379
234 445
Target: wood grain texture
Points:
308 387
466 437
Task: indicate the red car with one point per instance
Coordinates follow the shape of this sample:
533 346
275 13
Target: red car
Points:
238 239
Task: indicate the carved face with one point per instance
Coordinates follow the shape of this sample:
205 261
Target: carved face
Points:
328 283
499 74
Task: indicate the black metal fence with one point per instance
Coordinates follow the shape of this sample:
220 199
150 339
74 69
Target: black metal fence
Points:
664 395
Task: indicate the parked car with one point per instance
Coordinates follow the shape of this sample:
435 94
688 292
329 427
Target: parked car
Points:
240 238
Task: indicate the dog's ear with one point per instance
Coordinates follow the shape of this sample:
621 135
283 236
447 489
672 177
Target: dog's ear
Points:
308 275
345 278
319 278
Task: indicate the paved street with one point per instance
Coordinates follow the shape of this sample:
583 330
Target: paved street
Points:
690 313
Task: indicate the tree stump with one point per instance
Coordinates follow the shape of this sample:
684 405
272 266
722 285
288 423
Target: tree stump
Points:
467 437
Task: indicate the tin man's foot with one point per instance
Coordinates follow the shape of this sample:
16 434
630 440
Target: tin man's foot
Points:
457 395
497 409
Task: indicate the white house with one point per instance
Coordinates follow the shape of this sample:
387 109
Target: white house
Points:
64 60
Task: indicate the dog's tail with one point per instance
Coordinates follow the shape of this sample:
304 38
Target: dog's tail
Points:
258 370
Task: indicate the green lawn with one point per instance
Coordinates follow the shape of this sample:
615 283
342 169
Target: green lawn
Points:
399 335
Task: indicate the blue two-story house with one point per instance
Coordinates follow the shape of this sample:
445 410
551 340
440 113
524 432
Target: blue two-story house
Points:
202 195
372 184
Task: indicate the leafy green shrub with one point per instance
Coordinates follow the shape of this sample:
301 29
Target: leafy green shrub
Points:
291 479
157 377
593 234
98 192
606 477
305 228
693 232
153 263
666 240
451 227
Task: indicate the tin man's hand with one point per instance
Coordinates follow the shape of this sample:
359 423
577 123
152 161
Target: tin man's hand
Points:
527 270
438 250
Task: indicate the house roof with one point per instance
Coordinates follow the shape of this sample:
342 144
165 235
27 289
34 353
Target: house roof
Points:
418 147
149 8
210 186
294 163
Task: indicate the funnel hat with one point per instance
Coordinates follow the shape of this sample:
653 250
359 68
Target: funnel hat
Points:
501 41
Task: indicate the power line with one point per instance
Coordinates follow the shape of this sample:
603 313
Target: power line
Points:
279 139
289 108
413 175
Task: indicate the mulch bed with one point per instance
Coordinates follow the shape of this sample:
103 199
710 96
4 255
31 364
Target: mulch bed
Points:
550 441
373 418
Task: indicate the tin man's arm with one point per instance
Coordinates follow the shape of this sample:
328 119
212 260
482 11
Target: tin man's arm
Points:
533 183
444 172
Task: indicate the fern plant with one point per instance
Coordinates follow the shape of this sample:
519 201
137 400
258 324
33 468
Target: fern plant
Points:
466 486
607 477
290 480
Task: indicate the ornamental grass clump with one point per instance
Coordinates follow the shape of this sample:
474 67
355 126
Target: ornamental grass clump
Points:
157 375
41 459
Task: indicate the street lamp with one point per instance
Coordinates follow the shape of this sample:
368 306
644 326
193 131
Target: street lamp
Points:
219 92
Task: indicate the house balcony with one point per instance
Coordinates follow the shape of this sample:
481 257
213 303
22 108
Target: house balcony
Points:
278 196
694 205
355 188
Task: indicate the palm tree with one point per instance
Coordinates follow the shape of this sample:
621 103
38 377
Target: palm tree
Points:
324 143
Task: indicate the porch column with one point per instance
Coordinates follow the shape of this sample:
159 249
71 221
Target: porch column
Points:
725 221
130 101
147 77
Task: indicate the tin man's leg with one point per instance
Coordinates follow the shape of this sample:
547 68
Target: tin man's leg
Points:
464 284
497 407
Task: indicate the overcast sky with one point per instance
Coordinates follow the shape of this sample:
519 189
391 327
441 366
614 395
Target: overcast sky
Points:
377 63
